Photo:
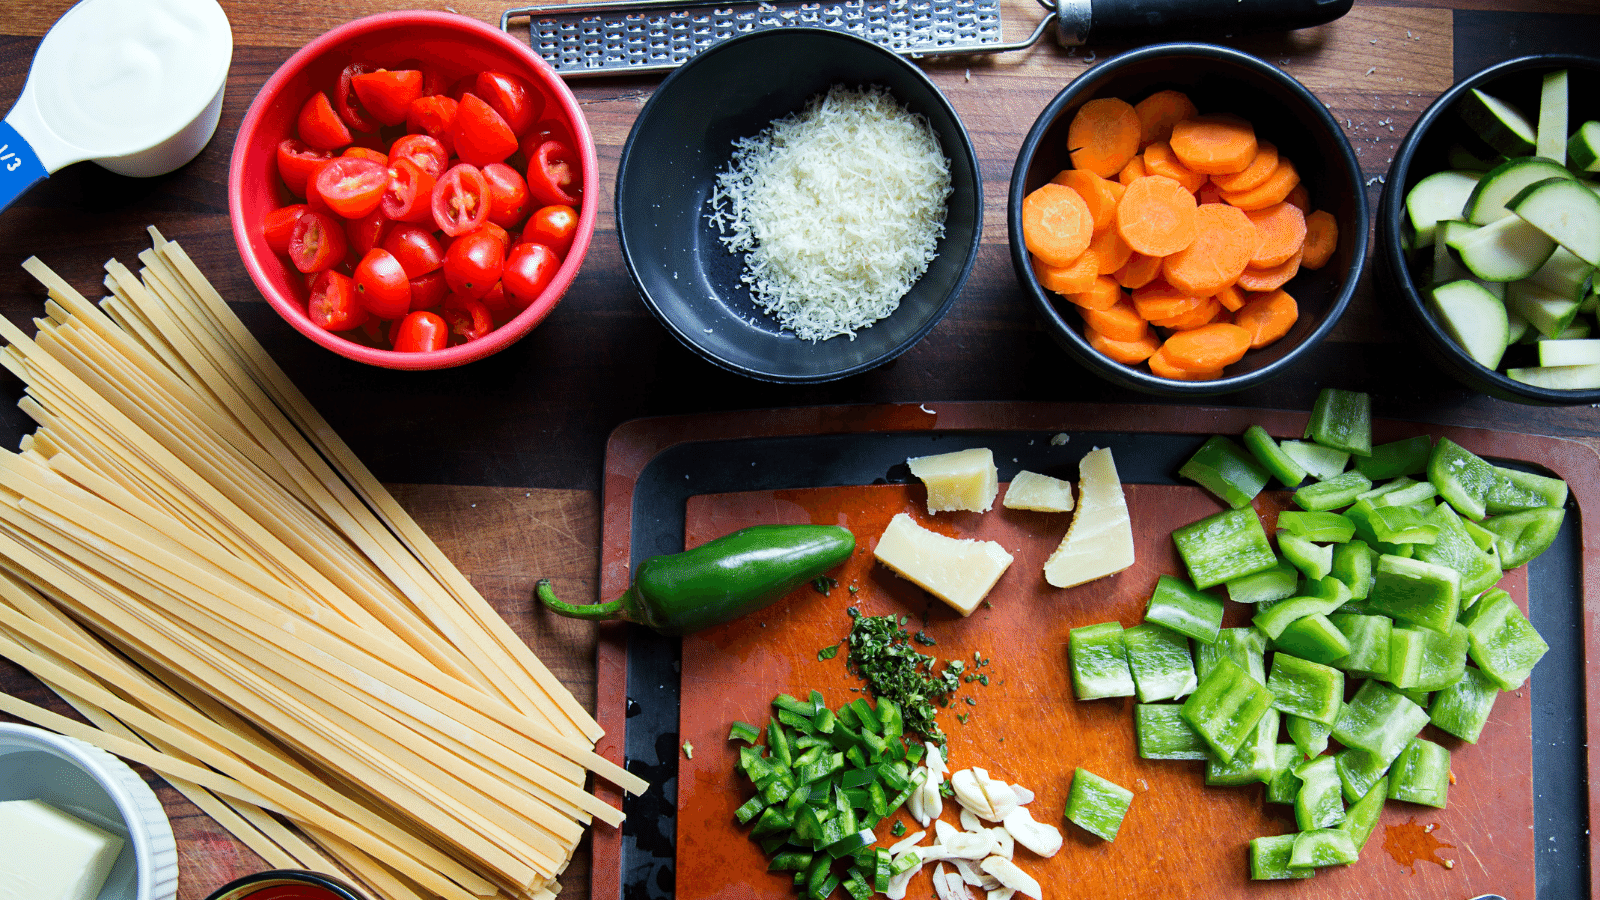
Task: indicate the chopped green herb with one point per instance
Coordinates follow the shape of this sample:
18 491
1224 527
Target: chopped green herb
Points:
971 701
963 717
824 584
983 680
882 655
828 652
945 790
853 589
688 750
899 829
922 638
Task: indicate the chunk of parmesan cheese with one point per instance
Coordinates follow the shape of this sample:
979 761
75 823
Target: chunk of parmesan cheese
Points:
961 480
1099 541
1040 493
838 210
960 572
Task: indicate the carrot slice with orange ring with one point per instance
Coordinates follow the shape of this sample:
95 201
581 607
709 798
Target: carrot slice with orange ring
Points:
1322 236
1267 317
1103 136
1225 241
1056 224
1156 216
1214 145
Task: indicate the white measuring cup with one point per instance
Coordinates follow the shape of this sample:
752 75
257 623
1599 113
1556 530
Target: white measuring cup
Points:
134 85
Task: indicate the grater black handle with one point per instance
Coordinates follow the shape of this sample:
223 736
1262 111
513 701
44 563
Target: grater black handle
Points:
1145 21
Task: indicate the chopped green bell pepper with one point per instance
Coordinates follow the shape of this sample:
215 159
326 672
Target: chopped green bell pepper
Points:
1369 639
1320 462
1225 546
1310 737
1502 642
1463 708
1462 477
1269 859
1271 456
1455 548
1254 761
1339 491
1100 662
1314 561
1421 774
1407 456
1513 489
1306 689
1353 562
1362 816
1319 803
1322 847
1226 707
1284 784
1520 536
1314 638
1321 526
1226 470
1184 609
1378 719
1163 734
1409 590
1421 659
1097 805
1342 420
1269 585
1160 661
1247 647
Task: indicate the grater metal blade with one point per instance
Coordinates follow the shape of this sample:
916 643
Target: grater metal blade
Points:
650 36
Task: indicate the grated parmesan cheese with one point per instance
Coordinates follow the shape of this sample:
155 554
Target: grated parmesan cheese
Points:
838 210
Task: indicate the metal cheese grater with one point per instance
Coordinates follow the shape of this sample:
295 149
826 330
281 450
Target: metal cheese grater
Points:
650 36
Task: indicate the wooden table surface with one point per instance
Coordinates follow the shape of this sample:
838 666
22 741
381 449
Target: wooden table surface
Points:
501 460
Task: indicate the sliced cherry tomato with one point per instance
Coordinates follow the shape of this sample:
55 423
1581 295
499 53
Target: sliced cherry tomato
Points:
416 249
367 232
496 299
427 152
553 226
469 318
420 332
518 102
433 115
508 195
428 291
314 198
472 263
377 156
553 175
319 126
318 242
409 194
352 186
382 286
480 136
297 162
546 130
278 226
528 270
500 234
333 302
347 104
461 200
387 93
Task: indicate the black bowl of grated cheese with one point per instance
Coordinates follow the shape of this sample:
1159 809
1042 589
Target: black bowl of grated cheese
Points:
798 204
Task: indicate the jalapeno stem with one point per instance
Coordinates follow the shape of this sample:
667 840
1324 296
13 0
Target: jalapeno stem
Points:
593 612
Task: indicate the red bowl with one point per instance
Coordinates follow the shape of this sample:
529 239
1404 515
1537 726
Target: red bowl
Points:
456 46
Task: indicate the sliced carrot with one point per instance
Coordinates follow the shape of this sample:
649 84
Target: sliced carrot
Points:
1056 224
1267 317
1160 160
1322 238
1161 366
1119 321
1208 347
1300 198
1274 190
1225 241
1252 175
1156 216
1231 298
1159 112
1109 250
1139 271
1283 232
1103 136
1270 278
1133 170
1203 314
1103 294
1219 144
1159 300
1100 194
1072 278
1129 353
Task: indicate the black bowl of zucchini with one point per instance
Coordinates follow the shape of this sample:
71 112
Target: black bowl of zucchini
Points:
1489 229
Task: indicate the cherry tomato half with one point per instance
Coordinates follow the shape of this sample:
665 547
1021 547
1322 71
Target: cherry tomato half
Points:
528 270
415 248
472 263
433 115
278 227
319 126
298 162
352 186
420 332
508 195
387 93
367 232
480 136
428 291
377 156
347 104
469 319
461 200
553 175
318 242
333 303
382 286
517 102
554 226
408 197
426 152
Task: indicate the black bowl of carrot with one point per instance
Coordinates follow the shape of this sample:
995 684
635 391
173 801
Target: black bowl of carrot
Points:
1188 219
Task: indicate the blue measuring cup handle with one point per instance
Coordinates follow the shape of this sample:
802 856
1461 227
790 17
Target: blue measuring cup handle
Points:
20 167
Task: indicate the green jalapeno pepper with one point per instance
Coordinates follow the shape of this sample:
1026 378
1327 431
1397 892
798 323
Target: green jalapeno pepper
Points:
718 581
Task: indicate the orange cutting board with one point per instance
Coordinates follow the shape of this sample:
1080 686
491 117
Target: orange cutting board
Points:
1179 838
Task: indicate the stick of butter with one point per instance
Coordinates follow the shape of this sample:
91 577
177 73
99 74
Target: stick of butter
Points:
959 572
46 854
